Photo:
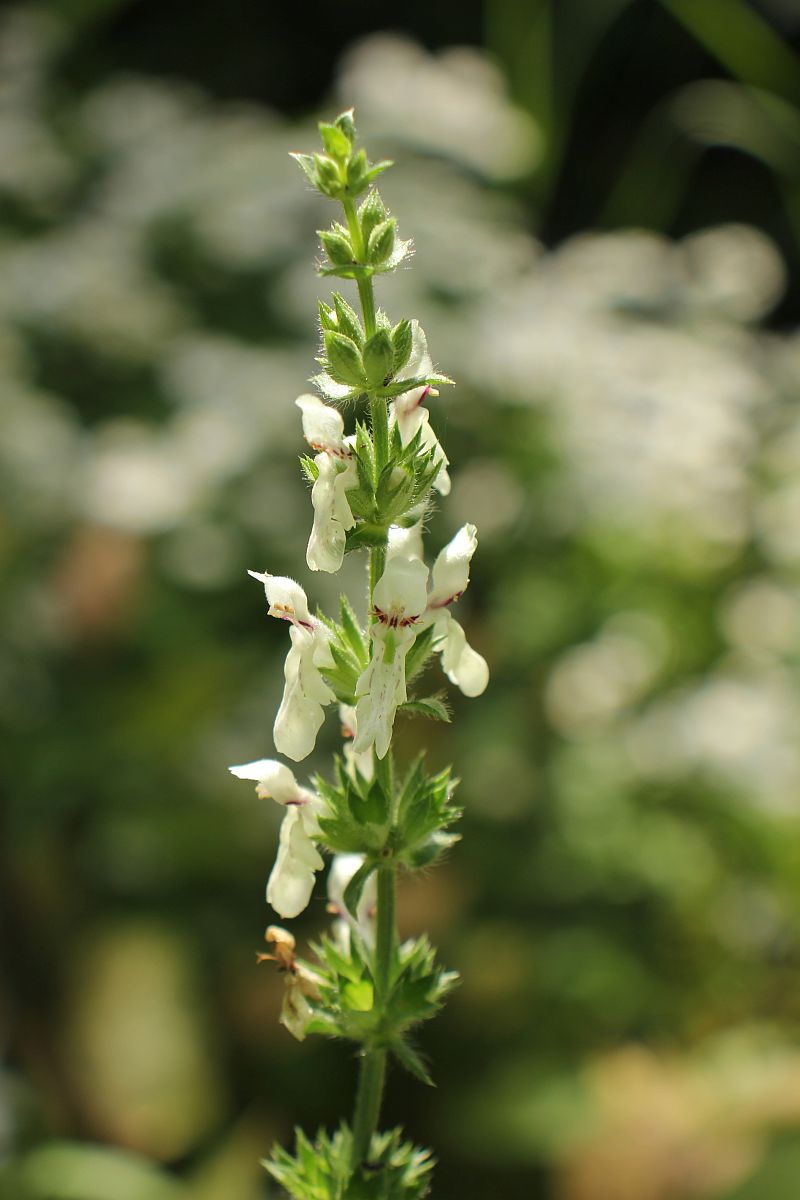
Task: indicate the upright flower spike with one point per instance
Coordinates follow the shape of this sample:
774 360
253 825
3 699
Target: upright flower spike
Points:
291 881
408 412
369 491
323 429
305 693
399 601
462 665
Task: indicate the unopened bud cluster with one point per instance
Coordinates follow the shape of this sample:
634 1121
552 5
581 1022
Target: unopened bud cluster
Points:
371 488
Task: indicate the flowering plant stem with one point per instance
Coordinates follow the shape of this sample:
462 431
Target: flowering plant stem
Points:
370 490
372 1068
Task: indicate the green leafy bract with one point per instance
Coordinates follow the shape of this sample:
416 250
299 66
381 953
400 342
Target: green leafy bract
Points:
395 1169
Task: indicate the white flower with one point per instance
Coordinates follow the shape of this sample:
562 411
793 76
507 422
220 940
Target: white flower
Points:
323 429
399 601
403 608
342 870
291 881
462 665
407 411
301 710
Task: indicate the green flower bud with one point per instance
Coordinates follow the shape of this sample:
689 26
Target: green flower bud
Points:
356 173
344 360
378 356
329 177
371 213
381 242
335 140
345 122
401 345
346 319
337 247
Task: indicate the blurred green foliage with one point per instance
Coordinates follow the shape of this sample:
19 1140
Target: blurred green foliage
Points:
625 905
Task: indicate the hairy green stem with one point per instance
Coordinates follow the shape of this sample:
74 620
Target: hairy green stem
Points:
372 1073
365 292
385 930
373 1065
368 1103
379 418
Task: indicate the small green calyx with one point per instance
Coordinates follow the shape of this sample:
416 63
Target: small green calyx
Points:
343 360
380 245
378 358
347 320
329 176
337 246
371 213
